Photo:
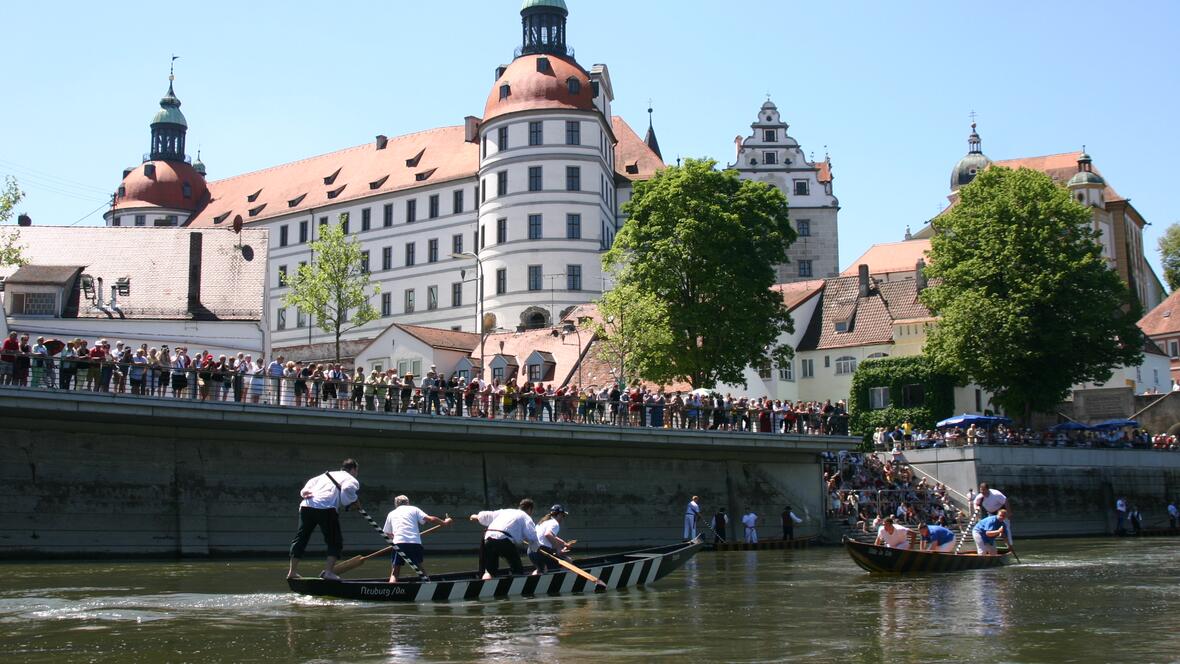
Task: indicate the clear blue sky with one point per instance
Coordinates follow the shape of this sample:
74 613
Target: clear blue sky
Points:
887 86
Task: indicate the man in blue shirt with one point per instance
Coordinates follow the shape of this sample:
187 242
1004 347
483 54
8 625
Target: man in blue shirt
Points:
988 530
936 538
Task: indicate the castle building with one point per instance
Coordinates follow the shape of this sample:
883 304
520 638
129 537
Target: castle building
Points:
517 205
772 156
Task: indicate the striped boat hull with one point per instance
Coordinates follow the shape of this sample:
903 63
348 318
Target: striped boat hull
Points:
883 560
796 543
617 571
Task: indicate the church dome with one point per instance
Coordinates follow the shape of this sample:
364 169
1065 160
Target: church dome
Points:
1085 175
169 112
971 164
163 184
528 85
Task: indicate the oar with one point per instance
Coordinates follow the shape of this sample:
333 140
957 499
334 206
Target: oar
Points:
357 561
575 569
387 538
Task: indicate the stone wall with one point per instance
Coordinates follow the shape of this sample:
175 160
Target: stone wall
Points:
88 475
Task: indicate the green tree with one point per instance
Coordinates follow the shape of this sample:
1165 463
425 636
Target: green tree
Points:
704 245
335 286
630 320
1169 247
10 195
1028 306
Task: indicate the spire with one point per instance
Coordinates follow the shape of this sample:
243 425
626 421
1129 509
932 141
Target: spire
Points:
974 142
650 139
169 125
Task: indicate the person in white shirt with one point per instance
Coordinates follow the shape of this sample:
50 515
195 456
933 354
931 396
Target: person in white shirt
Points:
402 528
893 536
323 498
691 514
1120 508
504 531
750 521
548 541
989 500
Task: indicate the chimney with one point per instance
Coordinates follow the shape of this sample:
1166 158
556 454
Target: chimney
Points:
862 273
114 299
920 275
98 291
382 141
194 272
24 221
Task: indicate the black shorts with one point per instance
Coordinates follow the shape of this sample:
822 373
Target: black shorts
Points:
414 552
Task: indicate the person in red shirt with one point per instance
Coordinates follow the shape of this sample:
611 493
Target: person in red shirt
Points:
97 354
9 349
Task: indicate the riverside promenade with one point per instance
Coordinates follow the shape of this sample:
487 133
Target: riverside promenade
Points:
91 474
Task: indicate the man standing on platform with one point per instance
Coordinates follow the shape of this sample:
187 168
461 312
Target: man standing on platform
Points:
402 528
1120 509
692 512
789 521
989 500
720 526
324 496
750 521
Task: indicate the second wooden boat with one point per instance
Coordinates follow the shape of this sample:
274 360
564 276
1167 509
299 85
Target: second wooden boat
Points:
884 560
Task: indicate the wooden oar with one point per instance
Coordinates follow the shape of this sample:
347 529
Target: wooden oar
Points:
575 569
357 561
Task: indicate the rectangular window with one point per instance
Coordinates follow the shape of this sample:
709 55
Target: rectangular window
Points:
845 366
535 181
409 304
387 258
535 372
573 227
303 232
804 227
764 369
141 220
573 178
807 368
366 219
573 277
536 133
344 223
431 298
535 278
117 222
770 158
365 262
483 236
282 276
501 281
573 132
1173 348
432 206
535 227
457 294
457 202
323 221
501 231
502 183
410 249
786 371
386 305
457 243
283 235
387 215
280 318
801 187
432 250
502 139
300 318
411 211
804 268
770 136
878 398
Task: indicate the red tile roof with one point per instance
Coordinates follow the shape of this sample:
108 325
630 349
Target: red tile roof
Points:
440 338
1164 319
825 171
565 350
870 318
530 89
891 257
798 292
165 189
634 160
1060 167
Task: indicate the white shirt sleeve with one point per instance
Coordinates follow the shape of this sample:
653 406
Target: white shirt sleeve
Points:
485 518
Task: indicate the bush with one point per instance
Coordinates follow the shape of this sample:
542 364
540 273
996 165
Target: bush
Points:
937 401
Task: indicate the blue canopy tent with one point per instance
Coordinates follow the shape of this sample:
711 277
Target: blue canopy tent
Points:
1069 426
1112 425
966 420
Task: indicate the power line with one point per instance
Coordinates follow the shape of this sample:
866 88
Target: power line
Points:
32 173
104 205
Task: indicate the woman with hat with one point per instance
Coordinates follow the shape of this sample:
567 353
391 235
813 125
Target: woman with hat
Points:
550 543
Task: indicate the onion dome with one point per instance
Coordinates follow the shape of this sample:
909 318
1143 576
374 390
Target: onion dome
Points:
1085 175
556 4
198 165
971 164
173 185
169 112
538 81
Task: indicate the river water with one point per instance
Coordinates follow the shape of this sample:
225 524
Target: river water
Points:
1069 601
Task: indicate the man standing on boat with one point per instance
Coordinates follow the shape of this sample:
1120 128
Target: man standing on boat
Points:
691 513
323 498
988 530
402 528
504 531
720 526
989 500
750 521
789 521
893 536
935 538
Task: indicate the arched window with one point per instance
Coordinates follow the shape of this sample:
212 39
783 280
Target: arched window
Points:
877 356
845 365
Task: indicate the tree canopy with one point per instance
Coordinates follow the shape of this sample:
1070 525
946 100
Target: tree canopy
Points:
1169 247
335 286
1027 304
700 248
10 195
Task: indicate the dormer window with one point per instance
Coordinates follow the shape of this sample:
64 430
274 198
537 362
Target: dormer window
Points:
253 197
336 192
842 326
770 136
122 191
328 181
505 91
186 190
220 218
574 85
543 66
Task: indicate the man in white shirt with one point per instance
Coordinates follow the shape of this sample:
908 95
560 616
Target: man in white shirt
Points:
893 536
1120 508
750 521
504 531
324 496
691 513
989 501
402 528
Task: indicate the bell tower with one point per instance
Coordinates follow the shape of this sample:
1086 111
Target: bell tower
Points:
168 128
543 26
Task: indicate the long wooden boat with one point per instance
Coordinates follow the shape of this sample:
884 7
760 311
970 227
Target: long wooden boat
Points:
884 560
620 570
795 543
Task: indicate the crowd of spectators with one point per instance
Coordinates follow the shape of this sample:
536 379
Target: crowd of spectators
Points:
884 439
863 489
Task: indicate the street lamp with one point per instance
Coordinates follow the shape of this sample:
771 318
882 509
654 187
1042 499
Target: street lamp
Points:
479 291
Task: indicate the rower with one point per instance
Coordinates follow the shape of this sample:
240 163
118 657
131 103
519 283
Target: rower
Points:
988 530
504 530
892 536
989 500
402 529
549 542
935 538
720 526
692 512
323 497
750 521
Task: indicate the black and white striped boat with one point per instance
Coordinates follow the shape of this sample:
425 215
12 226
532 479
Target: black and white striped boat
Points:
619 570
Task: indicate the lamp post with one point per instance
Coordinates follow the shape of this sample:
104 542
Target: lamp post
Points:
566 329
479 291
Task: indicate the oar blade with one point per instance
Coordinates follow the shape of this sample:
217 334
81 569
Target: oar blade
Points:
350 564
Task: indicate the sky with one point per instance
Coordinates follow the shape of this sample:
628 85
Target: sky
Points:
885 88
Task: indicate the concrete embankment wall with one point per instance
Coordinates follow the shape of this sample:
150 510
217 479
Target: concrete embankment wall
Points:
1056 491
86 475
